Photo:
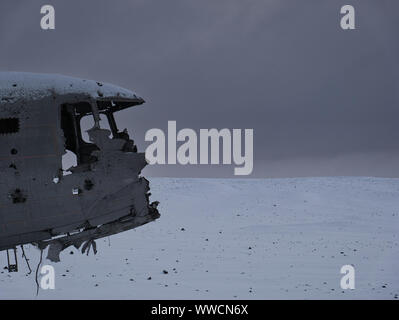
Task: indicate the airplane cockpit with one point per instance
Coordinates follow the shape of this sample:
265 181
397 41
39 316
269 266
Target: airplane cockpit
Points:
43 117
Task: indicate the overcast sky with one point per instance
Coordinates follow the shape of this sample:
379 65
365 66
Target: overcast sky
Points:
322 101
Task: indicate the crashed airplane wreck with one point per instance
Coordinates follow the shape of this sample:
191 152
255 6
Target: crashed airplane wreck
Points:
103 194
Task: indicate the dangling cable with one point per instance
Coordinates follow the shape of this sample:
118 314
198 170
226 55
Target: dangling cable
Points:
37 271
26 259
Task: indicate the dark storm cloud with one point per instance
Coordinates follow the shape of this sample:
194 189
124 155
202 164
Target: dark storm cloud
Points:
322 101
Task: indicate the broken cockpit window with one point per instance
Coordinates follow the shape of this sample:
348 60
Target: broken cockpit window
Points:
70 124
107 110
78 118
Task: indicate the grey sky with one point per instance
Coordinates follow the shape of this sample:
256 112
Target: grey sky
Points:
321 101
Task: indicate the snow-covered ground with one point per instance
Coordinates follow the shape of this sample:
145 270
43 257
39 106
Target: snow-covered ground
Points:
240 239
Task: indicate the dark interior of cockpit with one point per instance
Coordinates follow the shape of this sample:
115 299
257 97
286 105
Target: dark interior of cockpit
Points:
77 118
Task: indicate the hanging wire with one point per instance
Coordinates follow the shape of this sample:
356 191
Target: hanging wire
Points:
37 271
26 259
